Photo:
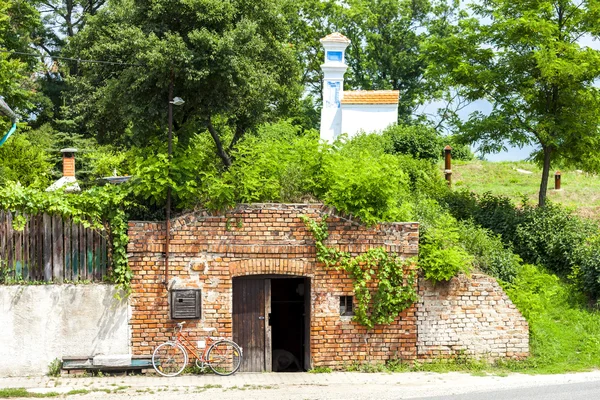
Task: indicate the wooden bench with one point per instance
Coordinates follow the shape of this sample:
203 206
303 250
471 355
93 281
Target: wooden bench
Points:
138 363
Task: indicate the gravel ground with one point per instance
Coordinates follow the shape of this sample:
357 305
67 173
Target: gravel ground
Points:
273 386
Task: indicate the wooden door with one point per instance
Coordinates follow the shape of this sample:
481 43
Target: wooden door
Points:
251 330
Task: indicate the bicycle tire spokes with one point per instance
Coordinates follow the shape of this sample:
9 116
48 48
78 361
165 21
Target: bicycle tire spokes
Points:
224 357
169 359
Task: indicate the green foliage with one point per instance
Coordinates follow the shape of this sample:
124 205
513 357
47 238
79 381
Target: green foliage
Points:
19 22
8 393
93 208
460 151
382 290
441 256
277 164
24 159
489 253
320 370
360 179
55 367
229 61
563 332
551 236
419 141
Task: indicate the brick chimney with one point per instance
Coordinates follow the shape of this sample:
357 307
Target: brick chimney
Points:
67 181
69 161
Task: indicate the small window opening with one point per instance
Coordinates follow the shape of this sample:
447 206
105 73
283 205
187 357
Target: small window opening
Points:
346 305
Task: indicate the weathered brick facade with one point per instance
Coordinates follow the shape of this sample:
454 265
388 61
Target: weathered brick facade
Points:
471 316
209 251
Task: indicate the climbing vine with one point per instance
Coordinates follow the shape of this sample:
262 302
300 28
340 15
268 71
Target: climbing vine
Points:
381 289
100 208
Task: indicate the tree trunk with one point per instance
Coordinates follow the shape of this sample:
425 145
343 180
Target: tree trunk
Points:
545 174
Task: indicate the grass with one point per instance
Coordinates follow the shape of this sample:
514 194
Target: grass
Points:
580 191
8 393
564 331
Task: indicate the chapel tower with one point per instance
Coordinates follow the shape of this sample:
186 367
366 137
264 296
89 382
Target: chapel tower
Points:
333 84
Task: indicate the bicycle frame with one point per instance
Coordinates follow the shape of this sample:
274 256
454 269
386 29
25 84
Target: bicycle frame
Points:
192 349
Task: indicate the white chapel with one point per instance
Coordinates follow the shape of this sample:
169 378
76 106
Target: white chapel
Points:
352 111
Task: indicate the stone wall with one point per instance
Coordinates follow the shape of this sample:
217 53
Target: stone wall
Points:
208 251
472 317
41 323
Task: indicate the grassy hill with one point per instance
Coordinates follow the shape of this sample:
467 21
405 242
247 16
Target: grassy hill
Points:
579 190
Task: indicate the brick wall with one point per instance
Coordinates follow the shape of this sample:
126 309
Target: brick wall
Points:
208 251
471 316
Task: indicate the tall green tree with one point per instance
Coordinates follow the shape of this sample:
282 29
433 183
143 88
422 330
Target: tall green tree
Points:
231 61
18 22
526 59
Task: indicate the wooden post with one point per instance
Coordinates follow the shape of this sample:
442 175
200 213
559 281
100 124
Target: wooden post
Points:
557 180
448 164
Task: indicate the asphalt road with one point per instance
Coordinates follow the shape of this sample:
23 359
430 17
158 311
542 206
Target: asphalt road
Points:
571 391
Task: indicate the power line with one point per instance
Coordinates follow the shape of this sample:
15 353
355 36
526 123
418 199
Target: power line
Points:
79 60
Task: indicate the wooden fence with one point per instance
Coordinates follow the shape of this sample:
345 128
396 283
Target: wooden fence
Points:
51 249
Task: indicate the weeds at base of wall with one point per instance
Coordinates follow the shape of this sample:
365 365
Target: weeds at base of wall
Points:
459 363
55 367
320 370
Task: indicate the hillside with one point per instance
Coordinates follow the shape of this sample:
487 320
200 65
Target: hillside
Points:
579 190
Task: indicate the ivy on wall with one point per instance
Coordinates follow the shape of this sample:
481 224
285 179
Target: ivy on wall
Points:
100 208
382 290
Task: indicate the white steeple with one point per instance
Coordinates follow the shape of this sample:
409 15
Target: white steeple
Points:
333 84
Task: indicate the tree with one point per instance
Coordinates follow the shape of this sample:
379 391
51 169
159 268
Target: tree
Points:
525 58
229 60
18 22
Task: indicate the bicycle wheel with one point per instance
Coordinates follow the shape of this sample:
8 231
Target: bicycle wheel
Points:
169 359
224 357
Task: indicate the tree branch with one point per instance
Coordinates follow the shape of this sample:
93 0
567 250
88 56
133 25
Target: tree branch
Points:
220 151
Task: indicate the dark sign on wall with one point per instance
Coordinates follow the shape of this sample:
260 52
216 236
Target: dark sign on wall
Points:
185 304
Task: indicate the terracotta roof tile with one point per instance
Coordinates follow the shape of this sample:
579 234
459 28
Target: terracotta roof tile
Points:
371 97
335 37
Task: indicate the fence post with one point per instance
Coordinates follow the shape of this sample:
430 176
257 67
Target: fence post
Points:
557 180
448 164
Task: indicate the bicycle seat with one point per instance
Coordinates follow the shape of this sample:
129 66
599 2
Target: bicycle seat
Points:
210 329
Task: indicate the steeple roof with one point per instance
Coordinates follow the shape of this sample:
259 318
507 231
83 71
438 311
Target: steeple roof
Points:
335 37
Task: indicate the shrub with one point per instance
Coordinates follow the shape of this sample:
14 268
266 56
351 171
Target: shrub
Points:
489 253
441 257
551 236
416 140
358 178
278 163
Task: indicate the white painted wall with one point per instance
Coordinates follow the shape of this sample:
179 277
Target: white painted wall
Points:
367 117
41 323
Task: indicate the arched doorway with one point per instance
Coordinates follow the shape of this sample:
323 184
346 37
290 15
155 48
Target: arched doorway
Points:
271 321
